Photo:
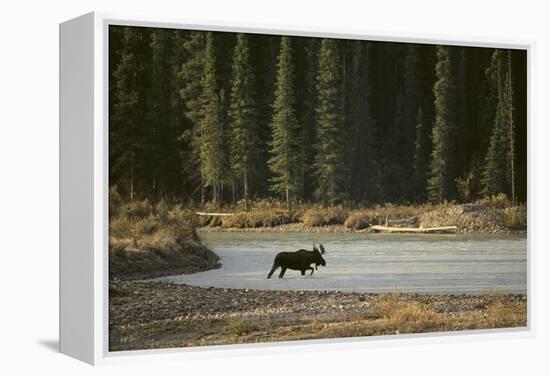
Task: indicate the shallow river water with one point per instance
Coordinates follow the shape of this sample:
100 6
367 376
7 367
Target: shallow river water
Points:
371 263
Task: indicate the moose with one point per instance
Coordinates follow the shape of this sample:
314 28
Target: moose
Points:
300 260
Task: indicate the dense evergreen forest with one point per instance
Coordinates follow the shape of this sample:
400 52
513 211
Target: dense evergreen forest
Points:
226 118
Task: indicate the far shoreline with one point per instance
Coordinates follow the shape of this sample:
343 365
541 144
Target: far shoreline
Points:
301 228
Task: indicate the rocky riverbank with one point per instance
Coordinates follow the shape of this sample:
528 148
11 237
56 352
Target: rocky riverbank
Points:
158 315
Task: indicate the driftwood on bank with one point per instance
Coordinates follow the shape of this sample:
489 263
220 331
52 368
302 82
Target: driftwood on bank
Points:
439 229
213 214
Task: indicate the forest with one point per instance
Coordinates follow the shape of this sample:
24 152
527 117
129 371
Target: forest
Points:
224 118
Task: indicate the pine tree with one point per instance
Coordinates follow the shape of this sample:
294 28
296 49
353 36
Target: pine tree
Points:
365 177
127 125
421 158
497 174
162 116
190 75
400 145
284 163
441 184
307 117
211 139
330 167
243 135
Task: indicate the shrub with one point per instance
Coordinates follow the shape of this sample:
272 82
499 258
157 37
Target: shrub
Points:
146 226
115 202
516 217
324 216
240 326
500 201
502 314
256 219
162 209
359 220
136 209
120 227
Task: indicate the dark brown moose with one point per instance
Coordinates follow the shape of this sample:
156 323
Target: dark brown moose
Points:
300 260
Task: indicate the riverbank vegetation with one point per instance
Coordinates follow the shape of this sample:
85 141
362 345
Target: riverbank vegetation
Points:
159 315
147 241
214 119
140 221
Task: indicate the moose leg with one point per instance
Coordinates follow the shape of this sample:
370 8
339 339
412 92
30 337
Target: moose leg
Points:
312 269
303 272
275 266
282 273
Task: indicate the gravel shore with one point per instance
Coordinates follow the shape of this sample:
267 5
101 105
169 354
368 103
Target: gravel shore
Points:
157 315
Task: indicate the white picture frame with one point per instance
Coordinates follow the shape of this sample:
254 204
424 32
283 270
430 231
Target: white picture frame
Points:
84 190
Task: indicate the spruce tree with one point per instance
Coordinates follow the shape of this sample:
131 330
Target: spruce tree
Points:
330 165
243 119
497 173
162 116
365 174
421 158
307 117
400 144
284 163
192 45
441 184
127 129
211 138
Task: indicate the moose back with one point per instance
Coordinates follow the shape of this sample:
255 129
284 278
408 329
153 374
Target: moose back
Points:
300 260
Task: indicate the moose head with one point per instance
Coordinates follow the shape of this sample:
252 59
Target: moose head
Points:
319 260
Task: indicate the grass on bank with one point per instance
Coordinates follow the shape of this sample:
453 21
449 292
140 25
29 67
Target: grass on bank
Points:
147 240
140 221
487 215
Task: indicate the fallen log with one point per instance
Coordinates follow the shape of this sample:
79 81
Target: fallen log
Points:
213 214
439 229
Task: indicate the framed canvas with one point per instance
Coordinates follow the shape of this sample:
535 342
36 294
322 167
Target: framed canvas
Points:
242 189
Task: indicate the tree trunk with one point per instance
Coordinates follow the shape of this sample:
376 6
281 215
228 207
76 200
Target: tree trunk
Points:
245 184
234 191
511 129
287 199
202 188
132 175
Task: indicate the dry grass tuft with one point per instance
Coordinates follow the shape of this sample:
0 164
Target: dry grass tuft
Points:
324 216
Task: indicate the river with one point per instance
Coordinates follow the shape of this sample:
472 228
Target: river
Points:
362 262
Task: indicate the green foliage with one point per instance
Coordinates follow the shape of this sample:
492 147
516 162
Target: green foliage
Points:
496 174
330 161
421 162
400 146
190 74
285 137
211 138
441 184
364 179
244 136
193 113
128 96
